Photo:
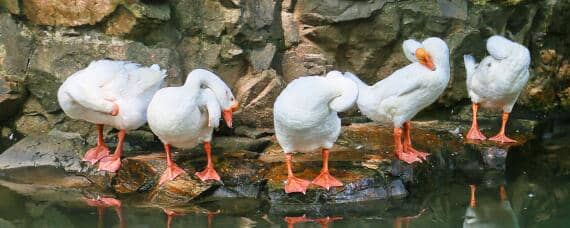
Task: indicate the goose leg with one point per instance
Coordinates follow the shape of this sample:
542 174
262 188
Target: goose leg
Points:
325 179
501 137
291 221
472 200
172 170
408 143
399 149
294 184
474 133
209 173
101 150
112 163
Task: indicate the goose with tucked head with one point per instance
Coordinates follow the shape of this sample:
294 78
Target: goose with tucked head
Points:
114 93
496 82
185 116
400 96
306 119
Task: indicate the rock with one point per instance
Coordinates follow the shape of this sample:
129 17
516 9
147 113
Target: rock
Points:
315 13
260 59
256 93
13 6
69 12
256 18
209 17
57 149
122 23
290 29
11 98
253 133
15 46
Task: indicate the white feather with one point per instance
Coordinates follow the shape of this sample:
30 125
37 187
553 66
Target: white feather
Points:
87 94
499 78
186 116
305 113
400 96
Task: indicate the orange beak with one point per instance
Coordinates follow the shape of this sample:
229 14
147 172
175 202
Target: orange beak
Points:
424 58
228 116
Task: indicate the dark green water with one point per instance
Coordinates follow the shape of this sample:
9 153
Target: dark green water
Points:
536 179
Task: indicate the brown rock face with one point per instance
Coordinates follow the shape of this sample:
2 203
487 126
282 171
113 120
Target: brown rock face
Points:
68 12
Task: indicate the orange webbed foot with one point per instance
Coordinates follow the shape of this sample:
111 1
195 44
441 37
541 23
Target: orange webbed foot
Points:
475 134
208 174
170 173
294 184
408 157
502 138
326 180
110 163
95 154
417 153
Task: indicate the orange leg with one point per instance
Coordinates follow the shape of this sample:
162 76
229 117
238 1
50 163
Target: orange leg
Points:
401 222
113 163
172 170
326 221
399 149
101 150
474 133
408 143
472 200
291 221
503 193
293 183
209 173
501 137
325 179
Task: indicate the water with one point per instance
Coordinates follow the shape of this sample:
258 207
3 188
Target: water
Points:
535 182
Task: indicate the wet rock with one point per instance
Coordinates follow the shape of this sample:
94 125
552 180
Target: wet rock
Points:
56 149
68 13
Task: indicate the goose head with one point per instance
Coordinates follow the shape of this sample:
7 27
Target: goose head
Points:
434 53
409 47
415 52
222 92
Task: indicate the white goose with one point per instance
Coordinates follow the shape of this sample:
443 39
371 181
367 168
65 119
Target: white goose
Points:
497 81
305 118
187 115
399 97
114 93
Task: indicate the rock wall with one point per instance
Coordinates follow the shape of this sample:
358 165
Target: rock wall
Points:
258 46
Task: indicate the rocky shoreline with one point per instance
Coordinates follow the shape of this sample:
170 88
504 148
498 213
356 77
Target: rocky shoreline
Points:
362 159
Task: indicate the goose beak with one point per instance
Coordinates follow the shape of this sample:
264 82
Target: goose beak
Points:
228 115
424 58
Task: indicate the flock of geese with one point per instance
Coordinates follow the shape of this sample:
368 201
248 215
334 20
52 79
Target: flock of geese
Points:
126 95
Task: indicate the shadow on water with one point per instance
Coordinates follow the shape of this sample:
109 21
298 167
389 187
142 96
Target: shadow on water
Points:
528 188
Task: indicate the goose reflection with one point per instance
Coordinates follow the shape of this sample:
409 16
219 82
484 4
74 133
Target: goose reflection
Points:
490 214
101 203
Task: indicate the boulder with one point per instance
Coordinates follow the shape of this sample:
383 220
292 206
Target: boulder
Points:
68 12
256 93
56 149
